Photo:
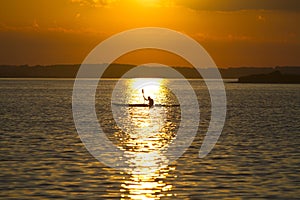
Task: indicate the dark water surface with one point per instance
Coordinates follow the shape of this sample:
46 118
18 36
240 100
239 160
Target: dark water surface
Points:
42 156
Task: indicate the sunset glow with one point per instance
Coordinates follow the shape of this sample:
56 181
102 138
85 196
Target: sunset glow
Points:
234 32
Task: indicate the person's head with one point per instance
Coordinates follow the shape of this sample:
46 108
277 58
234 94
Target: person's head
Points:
149 97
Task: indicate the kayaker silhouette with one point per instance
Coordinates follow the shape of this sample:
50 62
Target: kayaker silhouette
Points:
151 101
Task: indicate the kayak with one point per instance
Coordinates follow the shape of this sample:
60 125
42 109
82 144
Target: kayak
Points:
145 105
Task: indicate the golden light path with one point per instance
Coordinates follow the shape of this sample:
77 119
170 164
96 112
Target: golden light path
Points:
148 130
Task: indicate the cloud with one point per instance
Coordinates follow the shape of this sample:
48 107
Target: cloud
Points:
35 25
226 37
261 18
235 5
77 15
94 3
54 29
207 5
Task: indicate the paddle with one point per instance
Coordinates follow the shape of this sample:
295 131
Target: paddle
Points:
143 95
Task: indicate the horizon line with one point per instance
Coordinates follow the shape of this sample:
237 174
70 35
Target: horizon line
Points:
144 65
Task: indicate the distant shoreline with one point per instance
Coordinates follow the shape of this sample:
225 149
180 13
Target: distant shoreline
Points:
118 70
228 80
275 77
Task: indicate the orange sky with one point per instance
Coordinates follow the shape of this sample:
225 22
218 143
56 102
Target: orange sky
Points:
234 32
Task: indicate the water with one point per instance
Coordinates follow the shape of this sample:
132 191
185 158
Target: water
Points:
42 156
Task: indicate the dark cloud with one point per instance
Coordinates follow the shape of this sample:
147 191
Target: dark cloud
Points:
233 5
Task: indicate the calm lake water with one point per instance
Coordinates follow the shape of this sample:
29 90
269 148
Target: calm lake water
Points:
42 157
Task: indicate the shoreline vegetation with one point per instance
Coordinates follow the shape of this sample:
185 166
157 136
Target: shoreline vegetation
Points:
284 74
273 77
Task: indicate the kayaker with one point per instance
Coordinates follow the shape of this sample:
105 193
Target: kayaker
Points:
151 101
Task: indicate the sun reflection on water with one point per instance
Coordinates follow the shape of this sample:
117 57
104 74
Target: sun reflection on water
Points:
146 131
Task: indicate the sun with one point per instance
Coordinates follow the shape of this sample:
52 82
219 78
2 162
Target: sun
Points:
150 86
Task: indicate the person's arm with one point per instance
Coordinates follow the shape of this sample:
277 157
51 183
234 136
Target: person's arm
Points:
145 98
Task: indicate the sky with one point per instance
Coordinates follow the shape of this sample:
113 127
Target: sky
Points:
261 33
